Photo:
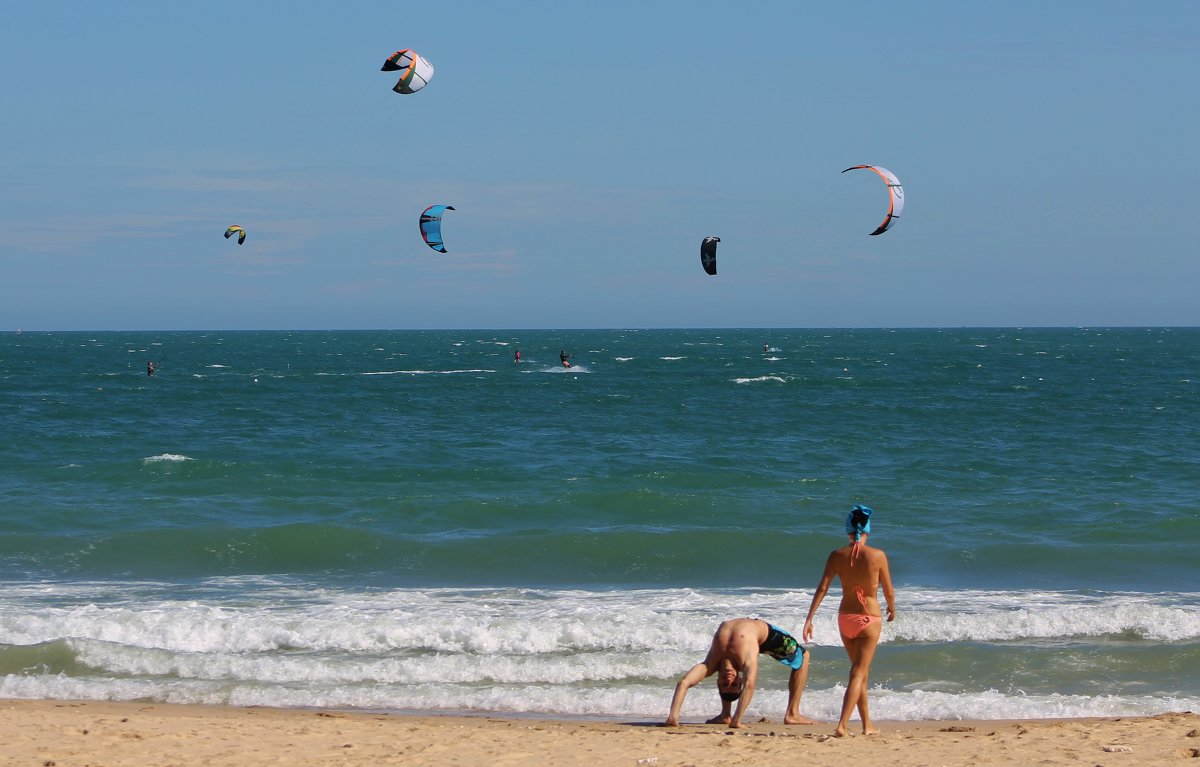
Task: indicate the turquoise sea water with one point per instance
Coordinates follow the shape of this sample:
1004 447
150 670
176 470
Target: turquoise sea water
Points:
411 520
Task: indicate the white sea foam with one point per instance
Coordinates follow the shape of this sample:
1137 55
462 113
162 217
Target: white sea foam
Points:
560 652
648 700
487 621
167 458
760 379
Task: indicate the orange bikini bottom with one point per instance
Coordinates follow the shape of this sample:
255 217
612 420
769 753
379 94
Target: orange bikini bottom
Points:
853 624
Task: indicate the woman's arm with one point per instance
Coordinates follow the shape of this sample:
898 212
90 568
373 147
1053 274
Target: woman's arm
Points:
889 593
818 595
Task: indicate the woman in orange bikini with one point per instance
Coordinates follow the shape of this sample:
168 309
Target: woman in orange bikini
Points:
861 570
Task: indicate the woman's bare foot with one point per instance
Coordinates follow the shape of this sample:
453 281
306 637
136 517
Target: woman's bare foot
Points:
797 720
719 719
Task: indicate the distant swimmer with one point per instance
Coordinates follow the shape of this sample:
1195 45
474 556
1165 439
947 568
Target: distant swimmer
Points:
766 348
150 367
517 356
563 357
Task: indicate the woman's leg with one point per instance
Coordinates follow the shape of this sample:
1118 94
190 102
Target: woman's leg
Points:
861 650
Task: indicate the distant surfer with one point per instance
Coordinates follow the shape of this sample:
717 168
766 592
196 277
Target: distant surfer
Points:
563 357
517 356
150 367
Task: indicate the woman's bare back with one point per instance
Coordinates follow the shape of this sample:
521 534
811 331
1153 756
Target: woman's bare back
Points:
859 573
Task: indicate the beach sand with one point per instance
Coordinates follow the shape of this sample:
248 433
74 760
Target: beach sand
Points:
103 734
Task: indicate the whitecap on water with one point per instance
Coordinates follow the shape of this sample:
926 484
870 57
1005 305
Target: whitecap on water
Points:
167 458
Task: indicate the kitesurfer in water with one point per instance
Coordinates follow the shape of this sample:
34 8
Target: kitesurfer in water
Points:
150 367
563 357
517 356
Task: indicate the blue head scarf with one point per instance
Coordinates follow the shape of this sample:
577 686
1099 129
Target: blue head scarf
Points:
858 523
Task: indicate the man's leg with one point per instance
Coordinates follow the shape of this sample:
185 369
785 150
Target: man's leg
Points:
796 683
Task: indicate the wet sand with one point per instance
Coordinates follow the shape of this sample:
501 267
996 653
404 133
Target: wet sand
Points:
102 734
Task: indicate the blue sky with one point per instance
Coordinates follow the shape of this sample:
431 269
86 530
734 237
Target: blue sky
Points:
1048 152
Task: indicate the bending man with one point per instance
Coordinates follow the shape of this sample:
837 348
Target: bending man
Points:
733 656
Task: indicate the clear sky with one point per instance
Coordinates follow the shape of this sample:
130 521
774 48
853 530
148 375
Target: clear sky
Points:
1048 152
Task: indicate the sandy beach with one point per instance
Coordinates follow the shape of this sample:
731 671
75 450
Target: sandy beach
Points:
103 734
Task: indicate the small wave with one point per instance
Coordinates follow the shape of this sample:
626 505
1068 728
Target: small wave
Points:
623 359
167 458
558 699
760 379
424 372
672 359
217 366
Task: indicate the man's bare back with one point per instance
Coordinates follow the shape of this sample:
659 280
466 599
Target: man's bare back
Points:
737 641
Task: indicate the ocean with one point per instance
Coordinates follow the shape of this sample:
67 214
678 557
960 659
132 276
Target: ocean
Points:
411 521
